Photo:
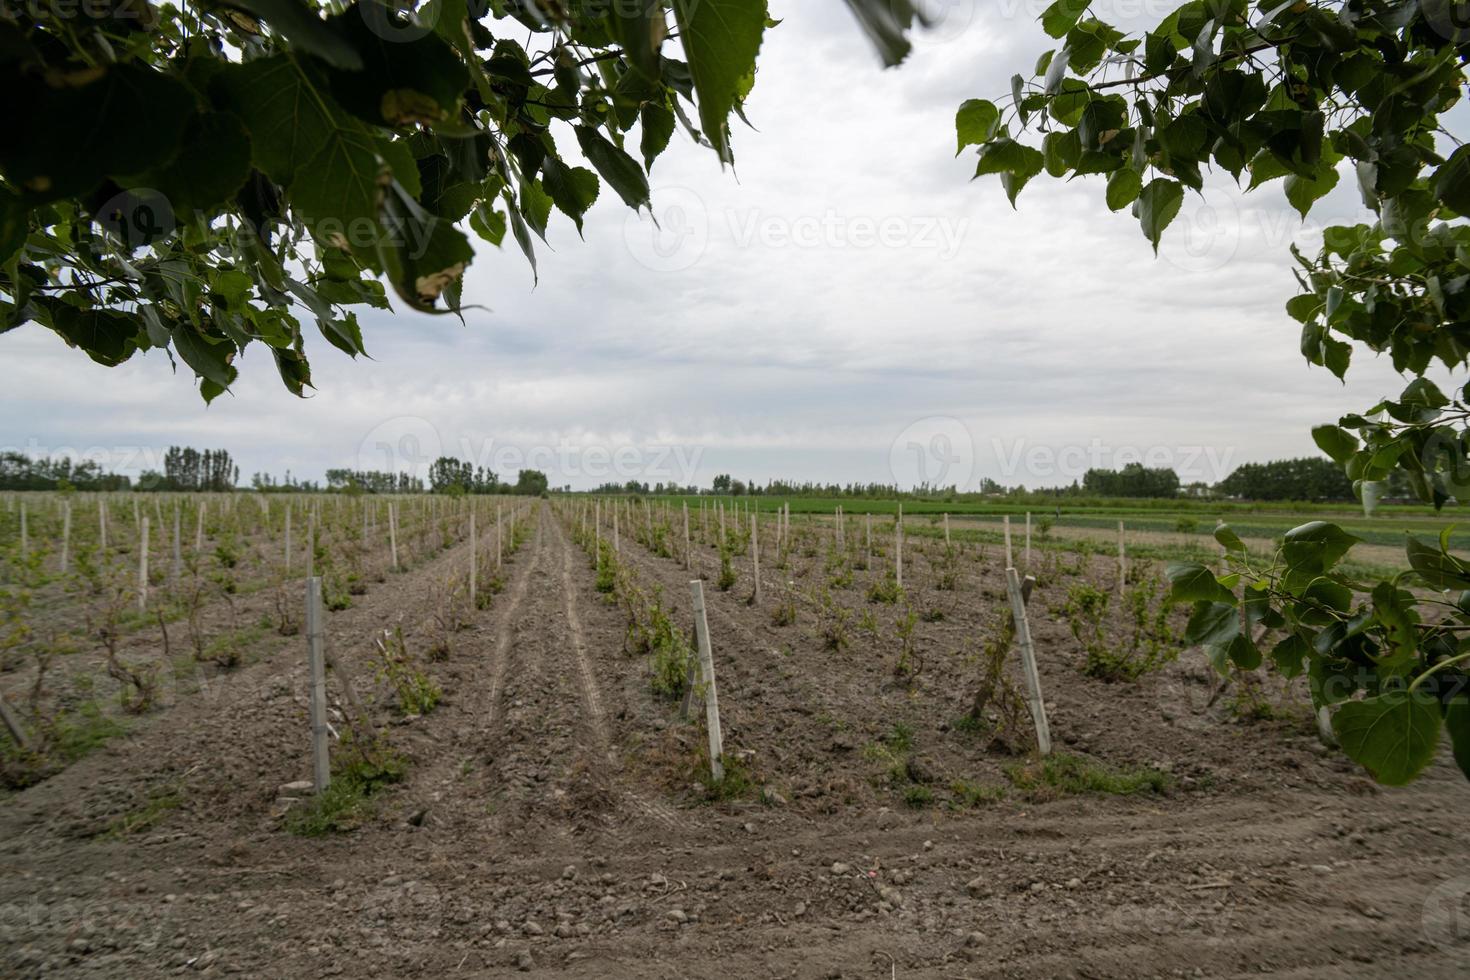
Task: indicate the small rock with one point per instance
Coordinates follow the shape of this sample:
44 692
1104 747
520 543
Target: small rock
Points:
976 887
524 961
975 939
678 915
569 872
533 928
1038 886
1074 882
891 895
301 787
838 868
928 845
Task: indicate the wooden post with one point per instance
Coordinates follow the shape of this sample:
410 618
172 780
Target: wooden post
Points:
102 525
321 769
25 541
1028 540
596 531
707 682
288 538
474 559
143 566
1028 662
178 569
868 531
898 547
946 531
393 532
1122 563
65 535
755 557
688 557
199 528
12 722
617 541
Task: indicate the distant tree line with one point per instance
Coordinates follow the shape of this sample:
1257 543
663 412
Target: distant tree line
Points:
188 469
456 477
20 472
372 481
1308 478
1133 480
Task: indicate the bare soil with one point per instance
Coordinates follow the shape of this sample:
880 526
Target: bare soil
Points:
552 819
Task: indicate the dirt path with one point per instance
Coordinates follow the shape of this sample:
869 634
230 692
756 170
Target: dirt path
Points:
548 823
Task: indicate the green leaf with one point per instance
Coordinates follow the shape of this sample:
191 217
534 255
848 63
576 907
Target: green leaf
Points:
299 23
1393 736
1124 187
1457 723
1158 205
108 337
209 356
1192 582
572 189
887 23
640 29
337 190
1339 444
423 254
14 225
1289 654
1062 16
405 79
210 167
1314 548
1212 624
721 39
288 119
1303 192
489 224
1436 565
616 167
975 122
658 127
1452 181
1228 539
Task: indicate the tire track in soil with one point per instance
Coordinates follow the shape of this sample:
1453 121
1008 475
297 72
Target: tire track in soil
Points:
591 692
469 713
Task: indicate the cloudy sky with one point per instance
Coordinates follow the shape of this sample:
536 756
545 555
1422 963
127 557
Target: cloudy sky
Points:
844 305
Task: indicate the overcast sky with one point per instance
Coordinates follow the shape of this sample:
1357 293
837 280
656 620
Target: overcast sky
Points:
845 305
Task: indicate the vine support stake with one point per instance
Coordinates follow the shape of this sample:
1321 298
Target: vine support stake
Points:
707 683
1018 595
393 533
474 559
65 535
1027 559
12 722
321 770
143 565
1122 562
1006 520
102 525
688 557
898 548
755 557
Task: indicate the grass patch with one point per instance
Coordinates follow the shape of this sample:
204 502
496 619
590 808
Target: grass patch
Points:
967 794
1063 774
348 801
737 784
161 802
918 797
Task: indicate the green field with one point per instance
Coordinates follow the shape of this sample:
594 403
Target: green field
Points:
1386 527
